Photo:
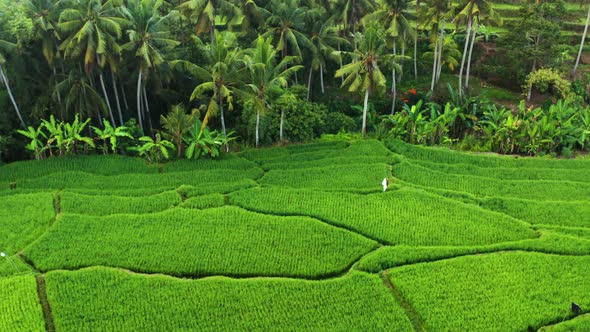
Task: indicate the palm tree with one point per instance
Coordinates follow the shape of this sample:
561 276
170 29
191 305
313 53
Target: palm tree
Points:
265 77
80 97
447 55
148 39
435 20
472 12
325 38
364 74
205 12
286 23
393 14
220 78
6 46
349 13
45 16
582 42
91 28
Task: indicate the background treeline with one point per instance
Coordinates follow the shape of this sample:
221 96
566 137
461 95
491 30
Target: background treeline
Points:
258 72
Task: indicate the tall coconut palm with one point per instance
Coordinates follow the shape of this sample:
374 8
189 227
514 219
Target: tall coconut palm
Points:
349 13
363 73
220 79
204 13
91 28
80 97
472 12
8 47
393 14
149 39
325 38
285 24
582 42
265 76
434 19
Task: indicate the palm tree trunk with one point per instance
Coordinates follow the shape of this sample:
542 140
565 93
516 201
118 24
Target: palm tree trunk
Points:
401 73
416 52
114 83
393 80
7 85
281 125
309 83
440 51
124 95
582 43
58 93
340 58
322 76
222 117
147 108
474 33
434 65
139 100
106 97
365 107
529 93
257 126
464 56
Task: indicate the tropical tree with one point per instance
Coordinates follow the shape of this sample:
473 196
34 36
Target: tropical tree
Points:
472 12
91 28
286 24
175 125
204 14
149 39
326 39
265 77
582 42
363 73
220 79
80 96
434 20
393 15
7 46
348 13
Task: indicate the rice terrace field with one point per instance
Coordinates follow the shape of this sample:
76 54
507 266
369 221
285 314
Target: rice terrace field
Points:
297 238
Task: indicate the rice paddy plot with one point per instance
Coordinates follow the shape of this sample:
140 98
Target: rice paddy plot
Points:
101 205
580 324
23 218
509 173
447 156
512 291
405 216
19 305
559 213
131 302
487 187
169 181
103 165
548 242
187 242
351 178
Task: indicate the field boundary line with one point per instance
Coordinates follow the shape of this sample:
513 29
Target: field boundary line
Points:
324 221
44 301
558 321
411 312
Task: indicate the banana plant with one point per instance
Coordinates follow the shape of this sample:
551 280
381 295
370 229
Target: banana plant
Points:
110 135
55 139
202 142
37 137
154 149
73 135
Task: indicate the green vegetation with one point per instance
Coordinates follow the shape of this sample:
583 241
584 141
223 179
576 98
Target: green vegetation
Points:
506 291
548 242
183 242
577 324
402 216
214 304
24 218
101 205
19 305
302 237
